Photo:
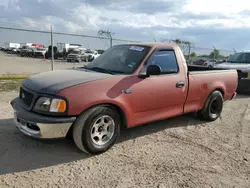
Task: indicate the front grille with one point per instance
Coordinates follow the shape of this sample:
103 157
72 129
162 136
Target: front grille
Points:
26 97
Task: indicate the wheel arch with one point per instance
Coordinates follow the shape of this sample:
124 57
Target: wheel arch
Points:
110 105
220 90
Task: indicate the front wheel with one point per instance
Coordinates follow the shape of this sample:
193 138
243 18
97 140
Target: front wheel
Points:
213 107
96 130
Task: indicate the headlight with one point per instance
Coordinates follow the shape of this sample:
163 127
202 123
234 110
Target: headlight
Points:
46 104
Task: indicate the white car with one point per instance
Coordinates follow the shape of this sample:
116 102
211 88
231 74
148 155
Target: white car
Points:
91 55
239 61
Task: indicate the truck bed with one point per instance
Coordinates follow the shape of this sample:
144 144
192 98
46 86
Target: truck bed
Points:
195 68
204 80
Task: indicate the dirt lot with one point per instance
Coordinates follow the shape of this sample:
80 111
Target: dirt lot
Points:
180 152
13 64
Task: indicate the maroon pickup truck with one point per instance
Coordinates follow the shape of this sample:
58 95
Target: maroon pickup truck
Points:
128 85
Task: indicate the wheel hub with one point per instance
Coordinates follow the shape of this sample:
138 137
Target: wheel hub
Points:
102 130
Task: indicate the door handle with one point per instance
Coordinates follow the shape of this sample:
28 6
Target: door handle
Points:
180 84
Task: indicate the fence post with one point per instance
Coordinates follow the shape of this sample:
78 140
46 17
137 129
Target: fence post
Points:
189 51
52 49
214 53
110 42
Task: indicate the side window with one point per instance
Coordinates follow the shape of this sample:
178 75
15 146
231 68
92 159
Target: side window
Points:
247 58
165 59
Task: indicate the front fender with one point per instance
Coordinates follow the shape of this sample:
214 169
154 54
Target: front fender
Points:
106 91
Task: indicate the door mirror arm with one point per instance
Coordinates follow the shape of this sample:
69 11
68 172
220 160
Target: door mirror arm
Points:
151 70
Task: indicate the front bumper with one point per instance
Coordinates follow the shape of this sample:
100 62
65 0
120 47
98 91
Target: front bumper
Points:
40 126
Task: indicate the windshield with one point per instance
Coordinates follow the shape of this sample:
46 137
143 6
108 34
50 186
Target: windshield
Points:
40 49
234 57
121 58
89 51
239 58
75 52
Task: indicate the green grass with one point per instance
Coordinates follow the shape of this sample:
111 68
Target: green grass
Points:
10 84
13 76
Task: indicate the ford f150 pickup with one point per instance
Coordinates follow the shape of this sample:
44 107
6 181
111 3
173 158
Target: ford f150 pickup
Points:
128 85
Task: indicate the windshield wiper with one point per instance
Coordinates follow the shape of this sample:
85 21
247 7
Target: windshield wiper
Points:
98 69
115 71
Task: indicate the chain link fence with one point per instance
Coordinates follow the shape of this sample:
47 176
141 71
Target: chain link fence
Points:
25 51
206 56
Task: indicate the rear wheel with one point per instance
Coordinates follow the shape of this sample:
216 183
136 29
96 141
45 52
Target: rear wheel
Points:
97 129
213 107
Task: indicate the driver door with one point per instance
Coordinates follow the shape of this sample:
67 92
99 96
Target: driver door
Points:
160 96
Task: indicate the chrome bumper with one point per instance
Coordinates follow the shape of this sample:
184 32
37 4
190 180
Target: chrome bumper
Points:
38 126
42 130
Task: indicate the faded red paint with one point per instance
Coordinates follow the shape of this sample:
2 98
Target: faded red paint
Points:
152 98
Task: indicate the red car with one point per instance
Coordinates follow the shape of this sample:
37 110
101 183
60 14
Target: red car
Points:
128 85
200 62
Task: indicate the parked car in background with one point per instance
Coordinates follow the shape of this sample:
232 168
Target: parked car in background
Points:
90 55
199 62
12 50
27 51
128 85
76 55
239 61
40 52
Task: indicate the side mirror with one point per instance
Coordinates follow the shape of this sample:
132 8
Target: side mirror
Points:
153 70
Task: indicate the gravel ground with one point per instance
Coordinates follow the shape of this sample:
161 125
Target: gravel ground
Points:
180 152
13 64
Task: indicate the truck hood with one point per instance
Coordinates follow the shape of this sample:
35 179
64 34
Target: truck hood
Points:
238 66
53 81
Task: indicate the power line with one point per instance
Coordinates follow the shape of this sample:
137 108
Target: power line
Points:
63 33
90 36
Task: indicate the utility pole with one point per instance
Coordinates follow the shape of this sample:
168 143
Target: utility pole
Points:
107 34
52 49
214 56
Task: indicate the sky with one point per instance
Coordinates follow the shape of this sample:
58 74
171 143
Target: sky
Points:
222 24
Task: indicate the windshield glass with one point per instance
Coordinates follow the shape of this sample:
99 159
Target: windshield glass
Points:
89 51
234 58
121 58
40 49
239 58
75 52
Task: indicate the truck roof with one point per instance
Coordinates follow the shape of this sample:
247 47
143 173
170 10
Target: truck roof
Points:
155 45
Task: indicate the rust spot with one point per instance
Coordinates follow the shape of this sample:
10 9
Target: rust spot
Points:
204 86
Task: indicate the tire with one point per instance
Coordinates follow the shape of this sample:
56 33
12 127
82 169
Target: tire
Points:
213 107
86 129
210 66
243 86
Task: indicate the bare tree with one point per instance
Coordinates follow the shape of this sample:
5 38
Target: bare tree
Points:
107 34
184 45
164 40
